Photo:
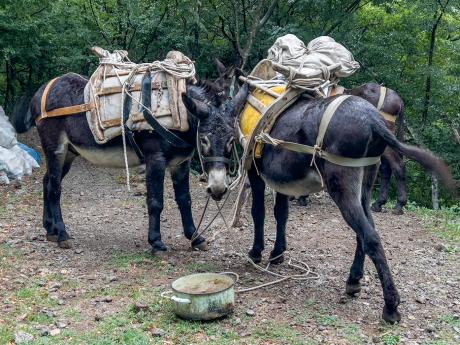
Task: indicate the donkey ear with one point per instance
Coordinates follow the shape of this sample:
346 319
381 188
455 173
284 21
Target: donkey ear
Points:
239 73
195 107
220 66
240 99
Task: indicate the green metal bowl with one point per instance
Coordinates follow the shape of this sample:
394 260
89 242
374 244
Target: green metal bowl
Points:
202 296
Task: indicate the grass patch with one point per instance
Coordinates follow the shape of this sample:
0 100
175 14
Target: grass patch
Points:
444 222
353 334
123 260
201 267
275 331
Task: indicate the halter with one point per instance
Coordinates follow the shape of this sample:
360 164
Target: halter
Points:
232 168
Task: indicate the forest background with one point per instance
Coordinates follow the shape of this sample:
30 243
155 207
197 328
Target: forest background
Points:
410 46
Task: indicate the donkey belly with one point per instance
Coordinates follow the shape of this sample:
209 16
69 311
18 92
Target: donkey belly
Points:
309 184
108 156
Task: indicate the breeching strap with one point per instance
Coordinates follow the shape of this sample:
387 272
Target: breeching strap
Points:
74 109
317 149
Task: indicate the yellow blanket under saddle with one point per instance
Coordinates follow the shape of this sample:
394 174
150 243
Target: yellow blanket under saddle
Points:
251 116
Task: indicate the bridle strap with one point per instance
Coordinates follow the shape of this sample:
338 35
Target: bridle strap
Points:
216 160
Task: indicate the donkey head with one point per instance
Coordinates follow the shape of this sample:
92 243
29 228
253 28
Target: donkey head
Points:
216 135
228 78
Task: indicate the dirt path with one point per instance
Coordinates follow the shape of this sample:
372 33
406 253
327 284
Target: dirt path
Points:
88 294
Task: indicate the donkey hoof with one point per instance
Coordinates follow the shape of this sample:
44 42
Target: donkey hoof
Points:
353 289
65 244
397 211
255 257
51 238
203 246
391 316
276 259
376 207
158 246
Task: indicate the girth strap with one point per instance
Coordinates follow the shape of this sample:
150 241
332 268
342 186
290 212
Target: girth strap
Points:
166 134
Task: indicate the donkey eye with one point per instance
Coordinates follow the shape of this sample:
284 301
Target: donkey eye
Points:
205 144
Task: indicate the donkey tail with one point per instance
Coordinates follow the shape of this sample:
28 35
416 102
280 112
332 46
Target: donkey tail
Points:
21 117
428 160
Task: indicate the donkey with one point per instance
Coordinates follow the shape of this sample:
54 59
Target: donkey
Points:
356 130
392 162
65 138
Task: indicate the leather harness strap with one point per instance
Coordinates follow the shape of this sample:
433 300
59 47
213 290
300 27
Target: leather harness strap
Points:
74 109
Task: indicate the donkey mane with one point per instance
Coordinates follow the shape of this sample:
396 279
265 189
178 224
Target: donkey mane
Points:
206 91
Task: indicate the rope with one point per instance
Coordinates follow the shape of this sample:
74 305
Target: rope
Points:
306 274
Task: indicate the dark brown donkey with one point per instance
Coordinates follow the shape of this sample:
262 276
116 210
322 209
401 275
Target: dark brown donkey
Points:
392 161
66 137
356 130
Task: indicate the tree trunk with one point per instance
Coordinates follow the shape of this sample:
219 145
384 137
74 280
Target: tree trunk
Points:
428 84
435 192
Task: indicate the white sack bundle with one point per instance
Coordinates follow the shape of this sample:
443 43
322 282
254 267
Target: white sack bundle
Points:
321 52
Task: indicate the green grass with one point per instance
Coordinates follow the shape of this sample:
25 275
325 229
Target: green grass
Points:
276 331
444 222
353 334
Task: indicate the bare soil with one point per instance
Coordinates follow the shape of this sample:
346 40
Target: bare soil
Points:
110 270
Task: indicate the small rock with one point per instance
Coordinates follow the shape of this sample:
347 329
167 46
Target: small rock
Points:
55 285
113 279
141 307
430 329
44 332
250 312
107 299
22 337
97 317
61 324
157 332
41 283
78 251
421 300
55 332
60 302
440 247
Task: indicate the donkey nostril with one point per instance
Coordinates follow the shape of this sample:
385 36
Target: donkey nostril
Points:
208 190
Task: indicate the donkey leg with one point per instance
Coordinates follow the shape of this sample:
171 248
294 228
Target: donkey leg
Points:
154 178
281 211
258 215
52 232
181 184
399 171
343 190
56 163
385 176
353 285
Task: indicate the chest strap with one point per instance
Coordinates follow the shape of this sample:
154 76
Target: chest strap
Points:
74 109
317 149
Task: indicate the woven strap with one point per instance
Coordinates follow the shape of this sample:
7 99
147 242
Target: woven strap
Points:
74 109
388 117
383 94
317 149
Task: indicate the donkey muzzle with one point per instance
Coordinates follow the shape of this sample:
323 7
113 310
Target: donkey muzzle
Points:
217 183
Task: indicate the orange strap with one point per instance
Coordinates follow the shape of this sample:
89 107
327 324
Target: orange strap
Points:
74 109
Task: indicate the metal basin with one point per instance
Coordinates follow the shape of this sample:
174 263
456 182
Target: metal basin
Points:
202 296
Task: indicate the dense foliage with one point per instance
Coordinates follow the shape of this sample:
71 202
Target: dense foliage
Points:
410 46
